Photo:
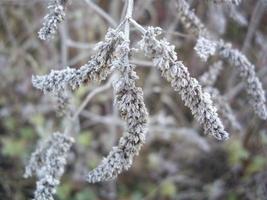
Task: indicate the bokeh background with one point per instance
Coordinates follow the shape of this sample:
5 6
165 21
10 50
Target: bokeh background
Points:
178 161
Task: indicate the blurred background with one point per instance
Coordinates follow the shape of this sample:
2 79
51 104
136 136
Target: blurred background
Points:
178 161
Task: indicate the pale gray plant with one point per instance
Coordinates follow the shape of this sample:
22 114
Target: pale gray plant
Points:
224 109
235 2
199 102
56 14
130 103
57 82
234 13
205 48
246 71
245 68
217 19
48 163
207 80
210 76
112 55
190 20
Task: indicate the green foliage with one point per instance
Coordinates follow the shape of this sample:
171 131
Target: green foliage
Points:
84 138
13 147
236 152
64 190
10 123
258 163
168 189
86 194
27 133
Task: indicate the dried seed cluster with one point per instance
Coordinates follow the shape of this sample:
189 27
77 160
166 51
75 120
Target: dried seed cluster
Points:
56 14
240 62
112 55
47 163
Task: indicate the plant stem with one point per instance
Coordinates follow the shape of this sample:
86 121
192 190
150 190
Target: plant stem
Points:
128 16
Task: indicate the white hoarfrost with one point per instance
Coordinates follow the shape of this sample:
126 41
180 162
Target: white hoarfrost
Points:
48 163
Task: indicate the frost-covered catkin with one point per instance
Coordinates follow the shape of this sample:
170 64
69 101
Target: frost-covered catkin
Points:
246 71
205 48
207 80
56 14
130 103
210 77
47 163
235 2
224 109
97 69
199 102
236 58
189 19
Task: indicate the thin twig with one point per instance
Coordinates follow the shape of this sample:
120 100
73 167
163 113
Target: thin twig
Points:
102 13
90 96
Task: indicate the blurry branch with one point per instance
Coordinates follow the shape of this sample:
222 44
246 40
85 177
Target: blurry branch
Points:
18 2
178 180
253 24
91 95
101 13
6 25
79 45
244 67
240 86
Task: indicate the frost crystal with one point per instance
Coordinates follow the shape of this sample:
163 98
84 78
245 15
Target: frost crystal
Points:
224 109
207 80
210 77
177 74
97 69
247 73
235 2
205 48
190 20
48 162
130 103
235 57
56 15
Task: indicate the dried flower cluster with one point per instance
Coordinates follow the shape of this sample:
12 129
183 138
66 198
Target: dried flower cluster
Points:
130 103
47 163
56 14
205 48
199 102
235 2
190 20
247 72
97 69
207 80
210 77
234 57
112 55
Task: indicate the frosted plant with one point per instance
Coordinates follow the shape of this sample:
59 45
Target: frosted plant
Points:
210 77
246 71
224 109
207 80
190 20
56 14
235 2
113 55
130 103
199 102
205 48
57 82
217 19
238 16
236 58
47 163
